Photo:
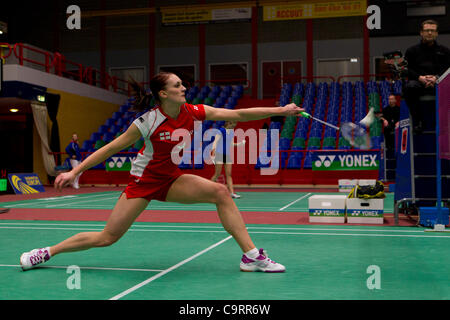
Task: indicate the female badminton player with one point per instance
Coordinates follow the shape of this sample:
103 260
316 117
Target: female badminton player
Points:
221 153
154 175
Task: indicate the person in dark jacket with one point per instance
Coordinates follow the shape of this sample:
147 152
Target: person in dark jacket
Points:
390 116
73 150
427 61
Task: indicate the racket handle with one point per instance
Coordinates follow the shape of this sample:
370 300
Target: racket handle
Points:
305 114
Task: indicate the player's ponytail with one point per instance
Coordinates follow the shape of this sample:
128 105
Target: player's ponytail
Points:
144 97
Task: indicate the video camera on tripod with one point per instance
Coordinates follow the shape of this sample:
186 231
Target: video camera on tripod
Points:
396 63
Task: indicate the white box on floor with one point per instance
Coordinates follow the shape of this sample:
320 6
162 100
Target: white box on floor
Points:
327 208
346 185
367 182
365 210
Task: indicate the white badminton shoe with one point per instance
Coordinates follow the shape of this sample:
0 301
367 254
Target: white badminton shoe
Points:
235 196
34 257
261 263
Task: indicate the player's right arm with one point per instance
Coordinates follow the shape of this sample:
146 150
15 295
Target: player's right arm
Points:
123 141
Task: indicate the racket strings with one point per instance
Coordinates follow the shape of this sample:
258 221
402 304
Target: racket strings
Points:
358 136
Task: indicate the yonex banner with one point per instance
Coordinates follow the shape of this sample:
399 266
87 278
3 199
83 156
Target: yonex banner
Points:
25 183
119 163
331 161
313 10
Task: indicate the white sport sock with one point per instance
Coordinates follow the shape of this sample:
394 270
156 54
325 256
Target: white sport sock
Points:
252 254
48 250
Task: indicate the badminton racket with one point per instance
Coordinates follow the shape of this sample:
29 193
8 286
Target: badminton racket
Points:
356 135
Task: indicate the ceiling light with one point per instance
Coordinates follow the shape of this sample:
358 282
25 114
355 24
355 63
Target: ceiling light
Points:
14 110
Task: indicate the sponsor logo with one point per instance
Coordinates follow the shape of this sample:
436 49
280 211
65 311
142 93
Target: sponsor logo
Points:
367 160
25 183
119 163
326 161
404 144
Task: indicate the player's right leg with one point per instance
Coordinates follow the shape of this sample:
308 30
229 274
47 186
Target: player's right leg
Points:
120 220
195 189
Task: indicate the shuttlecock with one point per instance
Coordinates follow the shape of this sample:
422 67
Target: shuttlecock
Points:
369 118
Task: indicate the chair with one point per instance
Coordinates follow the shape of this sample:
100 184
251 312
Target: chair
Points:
87 144
285 144
108 137
307 164
95 136
124 108
98 144
103 129
294 161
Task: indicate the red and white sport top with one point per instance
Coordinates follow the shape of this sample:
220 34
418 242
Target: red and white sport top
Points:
153 161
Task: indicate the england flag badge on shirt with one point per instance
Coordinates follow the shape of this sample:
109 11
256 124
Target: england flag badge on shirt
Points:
164 136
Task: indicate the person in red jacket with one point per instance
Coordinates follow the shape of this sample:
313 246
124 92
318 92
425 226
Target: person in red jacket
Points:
154 176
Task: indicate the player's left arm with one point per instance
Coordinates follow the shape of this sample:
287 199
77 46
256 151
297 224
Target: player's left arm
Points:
242 115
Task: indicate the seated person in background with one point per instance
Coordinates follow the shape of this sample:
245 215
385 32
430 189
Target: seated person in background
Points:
427 61
390 116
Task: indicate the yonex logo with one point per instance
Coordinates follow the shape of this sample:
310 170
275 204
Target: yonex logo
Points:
164 136
323 160
117 162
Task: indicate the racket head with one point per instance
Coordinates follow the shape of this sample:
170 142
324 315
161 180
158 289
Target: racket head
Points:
356 135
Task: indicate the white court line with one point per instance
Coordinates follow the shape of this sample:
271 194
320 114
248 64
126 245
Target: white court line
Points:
78 202
250 231
102 225
39 201
350 234
159 275
373 228
87 268
301 198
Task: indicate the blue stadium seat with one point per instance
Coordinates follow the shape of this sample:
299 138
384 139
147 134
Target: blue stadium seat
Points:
239 89
110 122
220 101
117 115
294 161
236 94
124 108
232 101
275 125
216 89
285 144
87 144
307 164
224 95
95 136
103 129
227 89
220 123
114 129
213 95
108 137
283 159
